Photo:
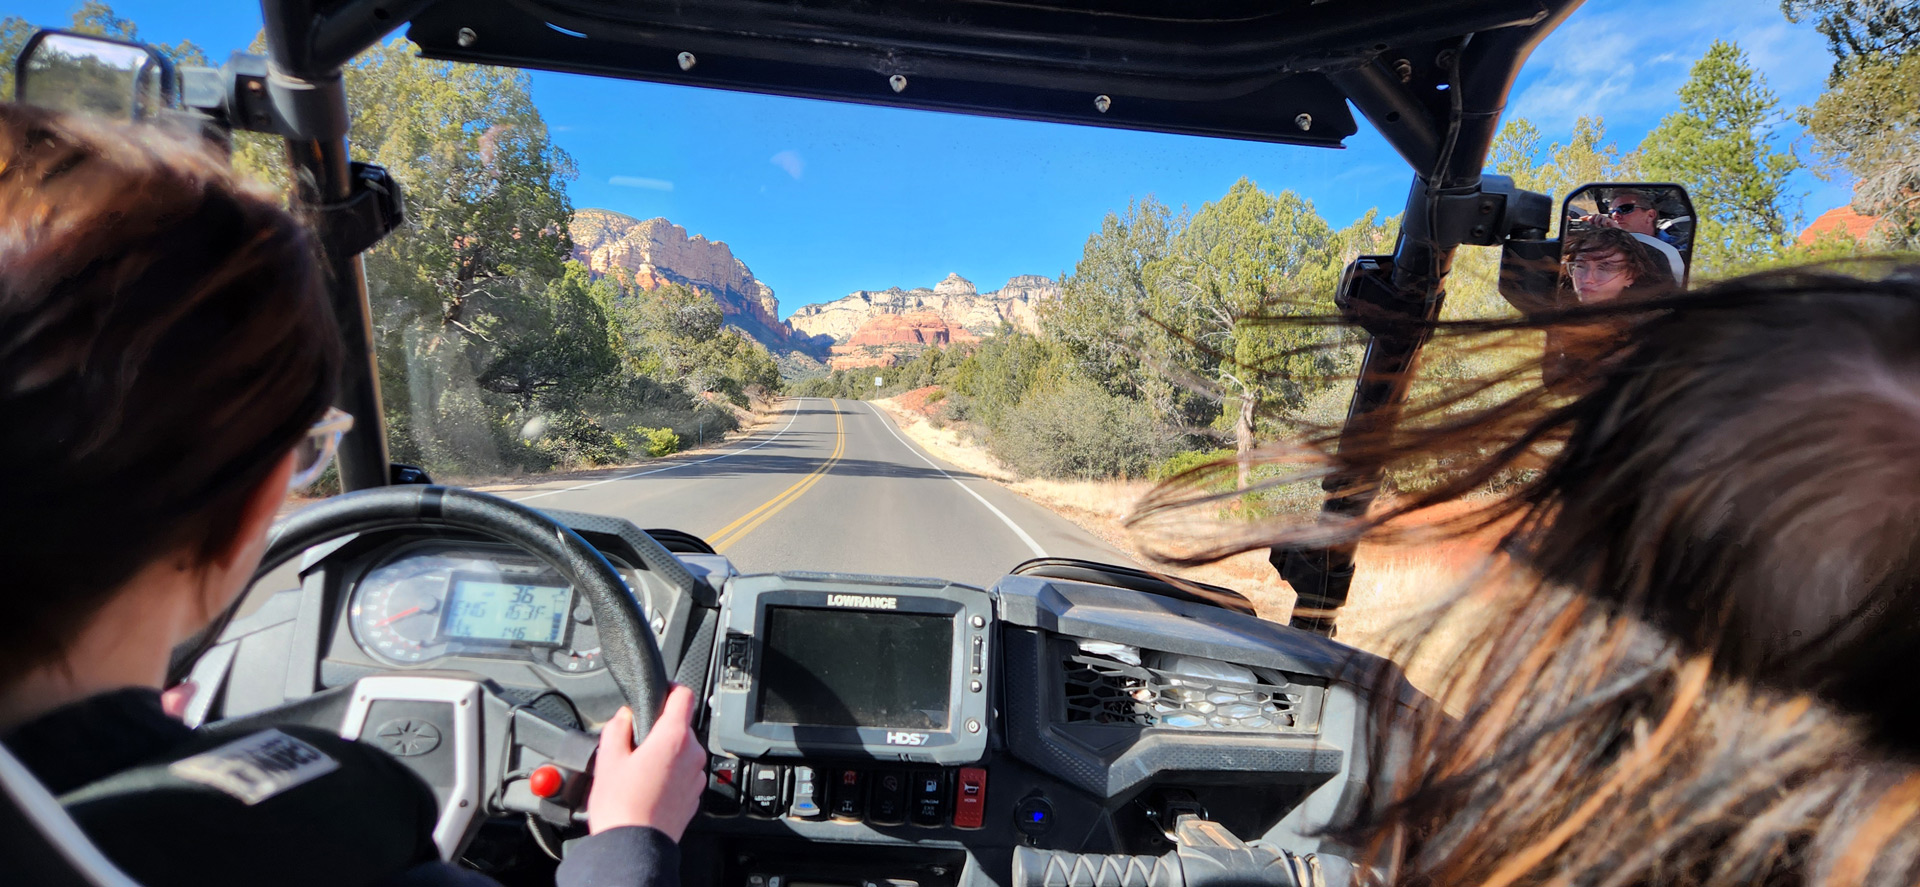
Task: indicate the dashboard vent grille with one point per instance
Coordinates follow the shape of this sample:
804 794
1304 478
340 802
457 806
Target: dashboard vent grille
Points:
1104 690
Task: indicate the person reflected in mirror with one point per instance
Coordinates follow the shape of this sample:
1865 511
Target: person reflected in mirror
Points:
1687 664
167 360
1637 213
1603 266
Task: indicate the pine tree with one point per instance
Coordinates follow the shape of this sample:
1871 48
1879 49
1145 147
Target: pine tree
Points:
1720 145
1860 28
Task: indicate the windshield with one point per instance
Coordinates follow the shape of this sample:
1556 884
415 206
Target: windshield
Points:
832 336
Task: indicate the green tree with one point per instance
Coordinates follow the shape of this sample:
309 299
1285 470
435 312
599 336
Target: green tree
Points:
1098 315
1860 28
1001 372
14 32
1242 262
1586 157
488 209
679 333
1720 144
1867 124
461 286
1369 235
560 340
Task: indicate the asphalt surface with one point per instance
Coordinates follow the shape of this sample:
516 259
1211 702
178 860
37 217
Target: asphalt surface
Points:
831 485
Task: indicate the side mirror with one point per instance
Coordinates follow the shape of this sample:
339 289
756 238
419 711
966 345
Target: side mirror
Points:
1659 215
79 72
1655 220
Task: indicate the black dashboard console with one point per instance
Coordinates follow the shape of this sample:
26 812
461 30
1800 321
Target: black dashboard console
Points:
822 665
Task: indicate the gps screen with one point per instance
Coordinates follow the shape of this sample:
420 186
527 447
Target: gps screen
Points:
845 668
488 610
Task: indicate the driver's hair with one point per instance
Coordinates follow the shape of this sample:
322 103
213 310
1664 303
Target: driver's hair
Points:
164 341
1694 665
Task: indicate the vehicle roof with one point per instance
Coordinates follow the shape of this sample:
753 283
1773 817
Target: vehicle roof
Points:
1268 70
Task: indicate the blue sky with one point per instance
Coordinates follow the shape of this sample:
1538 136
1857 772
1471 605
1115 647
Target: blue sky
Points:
821 199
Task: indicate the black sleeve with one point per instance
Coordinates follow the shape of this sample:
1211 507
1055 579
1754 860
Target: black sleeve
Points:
629 856
362 821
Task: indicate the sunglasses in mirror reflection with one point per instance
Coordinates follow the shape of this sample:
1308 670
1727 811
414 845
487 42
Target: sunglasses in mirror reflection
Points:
1660 213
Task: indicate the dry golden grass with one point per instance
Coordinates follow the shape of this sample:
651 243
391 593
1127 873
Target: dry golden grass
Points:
1394 582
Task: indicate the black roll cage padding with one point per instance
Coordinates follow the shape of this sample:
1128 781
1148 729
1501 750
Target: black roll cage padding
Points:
623 627
1440 114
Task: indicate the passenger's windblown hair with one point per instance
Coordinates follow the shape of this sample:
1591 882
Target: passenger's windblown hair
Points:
1692 669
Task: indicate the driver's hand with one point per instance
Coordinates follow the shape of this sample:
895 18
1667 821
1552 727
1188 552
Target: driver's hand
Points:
656 785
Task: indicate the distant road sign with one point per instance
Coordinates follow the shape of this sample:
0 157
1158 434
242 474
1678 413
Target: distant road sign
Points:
877 380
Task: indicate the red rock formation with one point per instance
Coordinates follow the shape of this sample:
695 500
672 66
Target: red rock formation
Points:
1841 218
923 328
892 339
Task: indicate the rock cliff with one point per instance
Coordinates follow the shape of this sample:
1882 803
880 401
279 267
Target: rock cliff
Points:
655 252
954 300
889 339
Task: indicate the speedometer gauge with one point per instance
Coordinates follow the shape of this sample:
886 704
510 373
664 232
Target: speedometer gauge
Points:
399 618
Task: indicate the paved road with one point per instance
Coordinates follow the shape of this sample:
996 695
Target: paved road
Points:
832 485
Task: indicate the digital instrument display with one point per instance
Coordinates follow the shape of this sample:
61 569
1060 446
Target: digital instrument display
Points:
839 668
483 608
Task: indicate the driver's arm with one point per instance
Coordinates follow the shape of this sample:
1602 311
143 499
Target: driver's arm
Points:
641 801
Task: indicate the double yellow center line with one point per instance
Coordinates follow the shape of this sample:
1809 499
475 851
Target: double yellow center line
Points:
746 523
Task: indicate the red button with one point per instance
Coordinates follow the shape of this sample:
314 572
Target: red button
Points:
970 806
545 781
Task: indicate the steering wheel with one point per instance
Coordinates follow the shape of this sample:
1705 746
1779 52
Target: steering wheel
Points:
629 648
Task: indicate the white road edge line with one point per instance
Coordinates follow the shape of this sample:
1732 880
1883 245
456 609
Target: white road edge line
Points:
1035 546
794 414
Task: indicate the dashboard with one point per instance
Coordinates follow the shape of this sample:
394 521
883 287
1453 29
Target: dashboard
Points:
427 602
921 728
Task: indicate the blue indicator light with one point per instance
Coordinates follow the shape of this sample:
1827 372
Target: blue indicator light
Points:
1039 816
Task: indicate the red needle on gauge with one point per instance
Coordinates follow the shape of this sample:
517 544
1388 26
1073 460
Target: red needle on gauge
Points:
396 617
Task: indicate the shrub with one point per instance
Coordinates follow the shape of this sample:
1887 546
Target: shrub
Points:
1302 497
574 438
656 442
1080 430
1180 463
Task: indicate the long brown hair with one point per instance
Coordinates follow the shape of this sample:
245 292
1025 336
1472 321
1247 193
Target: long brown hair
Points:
1694 668
164 340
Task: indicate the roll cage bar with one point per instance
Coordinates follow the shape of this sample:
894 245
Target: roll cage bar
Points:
1432 77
